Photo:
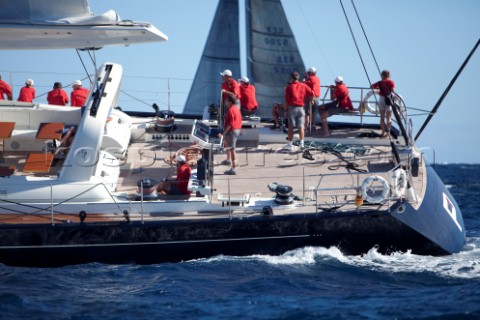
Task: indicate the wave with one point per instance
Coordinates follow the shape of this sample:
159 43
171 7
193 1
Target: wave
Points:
463 265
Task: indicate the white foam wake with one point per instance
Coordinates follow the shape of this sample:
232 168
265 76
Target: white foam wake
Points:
463 265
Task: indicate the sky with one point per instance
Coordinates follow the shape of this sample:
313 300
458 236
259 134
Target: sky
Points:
422 42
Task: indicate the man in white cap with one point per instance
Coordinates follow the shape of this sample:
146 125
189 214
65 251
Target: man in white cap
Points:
229 86
340 103
27 93
79 94
248 101
313 82
179 186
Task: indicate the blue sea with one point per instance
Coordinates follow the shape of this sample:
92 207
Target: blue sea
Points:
307 283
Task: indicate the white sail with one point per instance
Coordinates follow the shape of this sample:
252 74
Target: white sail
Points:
272 52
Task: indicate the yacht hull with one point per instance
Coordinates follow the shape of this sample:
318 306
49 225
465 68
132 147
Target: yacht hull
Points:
155 242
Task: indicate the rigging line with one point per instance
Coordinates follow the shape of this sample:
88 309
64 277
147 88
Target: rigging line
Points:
315 38
63 87
84 67
356 44
368 42
359 54
135 98
94 62
365 35
450 85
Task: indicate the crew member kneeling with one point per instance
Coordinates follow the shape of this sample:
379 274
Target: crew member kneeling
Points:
180 184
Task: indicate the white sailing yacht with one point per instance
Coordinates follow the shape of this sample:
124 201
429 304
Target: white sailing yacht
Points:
80 185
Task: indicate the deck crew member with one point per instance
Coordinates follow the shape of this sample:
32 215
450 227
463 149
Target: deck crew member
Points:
229 86
313 82
276 109
57 96
248 101
231 132
295 95
27 93
341 103
179 186
5 90
79 94
386 87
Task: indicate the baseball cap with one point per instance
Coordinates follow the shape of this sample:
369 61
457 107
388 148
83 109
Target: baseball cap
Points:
181 158
77 82
226 72
244 79
29 81
339 79
312 69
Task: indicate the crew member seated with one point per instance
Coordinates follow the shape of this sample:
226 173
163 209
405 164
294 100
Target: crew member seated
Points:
277 107
179 185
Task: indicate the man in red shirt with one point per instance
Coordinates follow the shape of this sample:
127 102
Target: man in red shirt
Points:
179 186
79 94
386 87
5 89
57 96
27 93
313 82
295 95
248 101
341 103
231 131
229 86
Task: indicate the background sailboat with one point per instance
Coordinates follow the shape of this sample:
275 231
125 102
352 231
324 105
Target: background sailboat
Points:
272 54
222 51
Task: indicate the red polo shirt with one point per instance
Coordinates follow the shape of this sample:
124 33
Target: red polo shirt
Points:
314 83
57 97
231 86
233 118
295 93
78 97
343 96
386 86
27 94
183 174
247 96
5 89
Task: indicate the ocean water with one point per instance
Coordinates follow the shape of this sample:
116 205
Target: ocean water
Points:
307 283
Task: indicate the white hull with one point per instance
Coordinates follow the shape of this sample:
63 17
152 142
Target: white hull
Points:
30 37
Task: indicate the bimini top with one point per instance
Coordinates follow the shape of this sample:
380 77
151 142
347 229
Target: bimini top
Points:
45 24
